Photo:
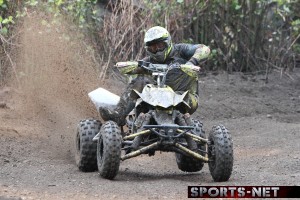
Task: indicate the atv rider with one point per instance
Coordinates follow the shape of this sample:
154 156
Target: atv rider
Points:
160 50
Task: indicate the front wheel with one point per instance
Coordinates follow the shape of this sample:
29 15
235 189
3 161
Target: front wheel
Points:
109 150
85 155
220 153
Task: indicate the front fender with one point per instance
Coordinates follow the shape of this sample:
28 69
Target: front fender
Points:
162 97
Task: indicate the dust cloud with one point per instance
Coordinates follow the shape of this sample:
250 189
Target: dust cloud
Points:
55 70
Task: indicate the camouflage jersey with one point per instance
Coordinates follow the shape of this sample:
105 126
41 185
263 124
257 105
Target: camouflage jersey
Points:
176 78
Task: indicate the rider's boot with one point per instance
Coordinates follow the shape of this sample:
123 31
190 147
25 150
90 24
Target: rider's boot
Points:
118 114
126 103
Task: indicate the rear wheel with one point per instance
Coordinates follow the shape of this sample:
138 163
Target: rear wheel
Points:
109 150
85 155
189 164
220 153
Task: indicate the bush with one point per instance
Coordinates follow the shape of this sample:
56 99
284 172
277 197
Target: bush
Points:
247 36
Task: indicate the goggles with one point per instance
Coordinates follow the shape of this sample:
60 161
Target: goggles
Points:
156 47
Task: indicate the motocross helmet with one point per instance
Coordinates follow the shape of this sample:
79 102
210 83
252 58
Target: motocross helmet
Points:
158 43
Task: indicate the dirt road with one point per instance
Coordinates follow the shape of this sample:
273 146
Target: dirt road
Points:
40 113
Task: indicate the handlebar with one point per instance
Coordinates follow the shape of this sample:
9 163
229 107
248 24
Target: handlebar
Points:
128 66
157 67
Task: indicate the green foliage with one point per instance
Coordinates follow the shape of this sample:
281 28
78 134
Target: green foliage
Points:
31 2
79 10
6 19
244 35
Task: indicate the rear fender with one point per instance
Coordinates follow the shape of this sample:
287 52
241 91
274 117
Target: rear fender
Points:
104 98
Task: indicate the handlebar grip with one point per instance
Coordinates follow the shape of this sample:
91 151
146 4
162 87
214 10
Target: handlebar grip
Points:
126 67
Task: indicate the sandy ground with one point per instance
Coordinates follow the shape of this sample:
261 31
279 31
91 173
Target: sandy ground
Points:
39 115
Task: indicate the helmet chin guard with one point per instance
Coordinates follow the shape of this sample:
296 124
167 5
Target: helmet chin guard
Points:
158 34
161 56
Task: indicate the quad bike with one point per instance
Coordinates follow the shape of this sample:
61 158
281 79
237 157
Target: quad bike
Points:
159 122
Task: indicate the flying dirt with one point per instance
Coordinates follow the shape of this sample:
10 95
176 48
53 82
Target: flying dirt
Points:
39 114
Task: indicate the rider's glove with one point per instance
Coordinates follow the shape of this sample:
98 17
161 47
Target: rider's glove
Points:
190 66
193 67
191 70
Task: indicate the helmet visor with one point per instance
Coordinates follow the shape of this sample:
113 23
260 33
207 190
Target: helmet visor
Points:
156 47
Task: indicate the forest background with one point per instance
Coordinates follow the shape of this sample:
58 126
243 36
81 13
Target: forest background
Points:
248 36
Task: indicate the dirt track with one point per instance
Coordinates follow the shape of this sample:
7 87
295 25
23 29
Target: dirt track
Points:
39 118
